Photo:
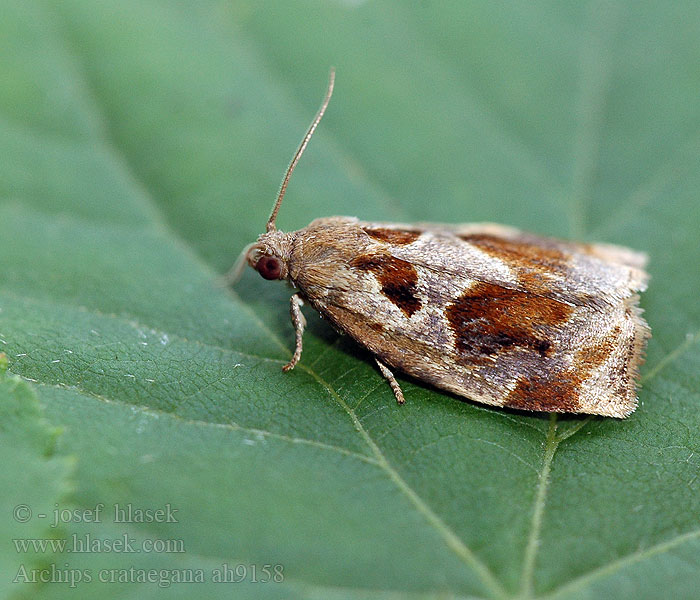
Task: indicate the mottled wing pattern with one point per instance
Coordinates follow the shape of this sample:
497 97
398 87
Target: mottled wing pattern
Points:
485 311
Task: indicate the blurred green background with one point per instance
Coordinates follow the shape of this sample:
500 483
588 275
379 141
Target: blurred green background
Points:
141 146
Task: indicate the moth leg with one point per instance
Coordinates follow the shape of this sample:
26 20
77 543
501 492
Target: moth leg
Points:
299 322
389 376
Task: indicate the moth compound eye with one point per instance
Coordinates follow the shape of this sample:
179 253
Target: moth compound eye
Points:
270 267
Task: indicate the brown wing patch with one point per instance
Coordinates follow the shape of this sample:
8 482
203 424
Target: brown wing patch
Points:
560 391
398 279
488 318
514 251
558 394
392 236
535 263
590 358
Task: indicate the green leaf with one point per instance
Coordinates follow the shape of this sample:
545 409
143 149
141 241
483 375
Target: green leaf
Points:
142 143
33 479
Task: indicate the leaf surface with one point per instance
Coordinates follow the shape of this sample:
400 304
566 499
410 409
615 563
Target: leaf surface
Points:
142 144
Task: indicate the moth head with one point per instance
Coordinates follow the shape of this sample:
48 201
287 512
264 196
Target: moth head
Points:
269 256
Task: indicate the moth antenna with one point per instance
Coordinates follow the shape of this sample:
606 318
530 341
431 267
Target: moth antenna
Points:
235 272
300 150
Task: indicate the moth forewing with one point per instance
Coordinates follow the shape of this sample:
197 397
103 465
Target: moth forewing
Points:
485 311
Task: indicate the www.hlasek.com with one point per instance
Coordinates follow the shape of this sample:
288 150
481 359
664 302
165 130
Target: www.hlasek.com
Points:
250 573
87 543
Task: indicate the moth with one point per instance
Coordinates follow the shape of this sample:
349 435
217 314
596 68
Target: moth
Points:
484 311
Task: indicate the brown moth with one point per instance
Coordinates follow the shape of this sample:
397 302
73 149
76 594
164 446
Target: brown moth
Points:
488 312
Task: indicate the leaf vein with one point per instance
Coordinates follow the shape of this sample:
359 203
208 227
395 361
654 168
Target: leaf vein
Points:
453 541
533 543
231 426
622 562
